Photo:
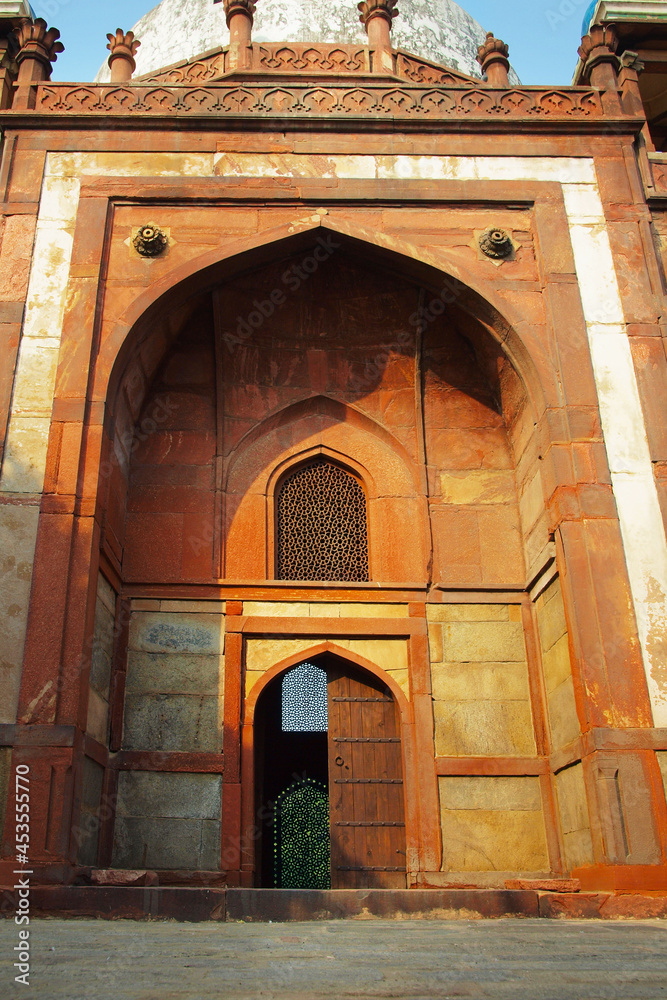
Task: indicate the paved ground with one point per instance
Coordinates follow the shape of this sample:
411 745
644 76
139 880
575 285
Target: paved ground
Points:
415 960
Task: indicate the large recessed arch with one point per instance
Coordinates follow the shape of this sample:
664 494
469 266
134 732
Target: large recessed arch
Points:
437 272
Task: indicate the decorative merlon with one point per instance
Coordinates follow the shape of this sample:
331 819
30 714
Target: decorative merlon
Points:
240 15
242 8
38 48
123 48
598 56
377 17
372 9
493 57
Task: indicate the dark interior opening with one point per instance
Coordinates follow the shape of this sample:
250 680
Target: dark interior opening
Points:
282 759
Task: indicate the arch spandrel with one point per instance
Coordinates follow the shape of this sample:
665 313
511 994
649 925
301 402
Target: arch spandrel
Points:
437 271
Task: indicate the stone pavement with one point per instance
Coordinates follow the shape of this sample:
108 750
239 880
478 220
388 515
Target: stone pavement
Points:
414 960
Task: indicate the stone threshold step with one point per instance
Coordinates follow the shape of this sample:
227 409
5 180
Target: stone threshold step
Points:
284 905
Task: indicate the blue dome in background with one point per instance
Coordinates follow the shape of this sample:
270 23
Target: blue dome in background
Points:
588 17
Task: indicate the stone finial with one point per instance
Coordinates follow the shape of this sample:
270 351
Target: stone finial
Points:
242 8
493 58
38 48
123 48
377 17
239 15
598 56
377 9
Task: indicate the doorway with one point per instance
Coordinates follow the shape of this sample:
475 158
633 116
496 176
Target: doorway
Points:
329 780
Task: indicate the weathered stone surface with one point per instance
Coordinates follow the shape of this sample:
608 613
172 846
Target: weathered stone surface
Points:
501 682
174 673
491 793
483 728
5 767
160 794
172 722
183 633
467 612
662 761
563 717
478 487
544 884
492 824
556 660
575 822
103 637
87 835
18 533
484 641
167 843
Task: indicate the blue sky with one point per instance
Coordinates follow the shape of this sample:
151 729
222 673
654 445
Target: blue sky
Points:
543 35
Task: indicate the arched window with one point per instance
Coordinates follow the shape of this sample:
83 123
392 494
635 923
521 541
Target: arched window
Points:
322 525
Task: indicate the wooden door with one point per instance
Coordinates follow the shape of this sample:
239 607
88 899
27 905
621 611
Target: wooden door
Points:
365 784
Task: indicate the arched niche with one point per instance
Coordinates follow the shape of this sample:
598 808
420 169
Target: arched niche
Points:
375 421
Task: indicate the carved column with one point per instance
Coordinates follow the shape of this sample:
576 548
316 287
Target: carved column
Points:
493 58
38 48
600 62
8 71
123 48
377 17
240 14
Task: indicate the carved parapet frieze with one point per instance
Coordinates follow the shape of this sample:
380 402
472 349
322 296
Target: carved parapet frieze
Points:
38 47
123 48
493 58
345 100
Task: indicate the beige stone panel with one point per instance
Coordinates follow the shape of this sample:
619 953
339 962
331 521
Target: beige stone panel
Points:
186 607
551 616
662 762
33 392
575 823
106 594
374 611
492 824
479 642
274 609
503 793
467 612
390 654
262 654
501 682
18 535
45 304
477 487
563 718
131 164
557 666
25 455
174 673
325 610
98 715
5 768
435 643
142 605
531 502
251 678
177 633
483 728
294 165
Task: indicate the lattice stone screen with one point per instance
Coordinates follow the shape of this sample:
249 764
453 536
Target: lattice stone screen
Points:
322 525
302 844
305 708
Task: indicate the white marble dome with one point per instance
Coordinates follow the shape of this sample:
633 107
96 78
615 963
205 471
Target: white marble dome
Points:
175 30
